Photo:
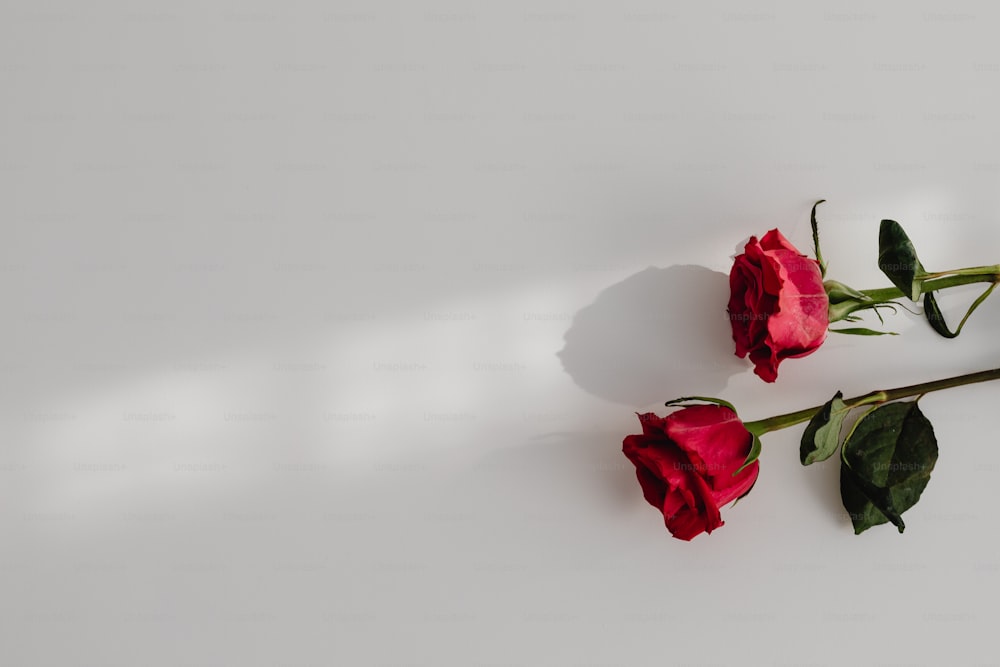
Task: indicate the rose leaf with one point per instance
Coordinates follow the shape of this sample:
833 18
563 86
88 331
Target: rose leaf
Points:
936 318
886 463
897 259
822 435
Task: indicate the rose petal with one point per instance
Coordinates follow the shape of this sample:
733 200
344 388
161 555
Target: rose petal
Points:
765 363
712 436
775 240
659 456
686 524
799 325
652 424
686 519
654 489
708 505
739 484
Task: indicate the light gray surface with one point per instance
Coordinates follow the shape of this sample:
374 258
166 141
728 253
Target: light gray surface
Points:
286 287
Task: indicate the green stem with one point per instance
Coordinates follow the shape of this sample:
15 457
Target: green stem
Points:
950 279
763 426
971 271
883 294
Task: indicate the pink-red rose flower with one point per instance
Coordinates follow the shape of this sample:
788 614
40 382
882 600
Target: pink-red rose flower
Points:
778 307
685 463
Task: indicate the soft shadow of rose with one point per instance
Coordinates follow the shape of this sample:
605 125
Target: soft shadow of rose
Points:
656 335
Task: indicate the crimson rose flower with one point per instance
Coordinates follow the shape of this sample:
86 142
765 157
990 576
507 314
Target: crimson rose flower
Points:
778 307
686 462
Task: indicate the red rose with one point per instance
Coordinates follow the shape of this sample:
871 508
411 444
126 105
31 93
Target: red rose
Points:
778 307
685 464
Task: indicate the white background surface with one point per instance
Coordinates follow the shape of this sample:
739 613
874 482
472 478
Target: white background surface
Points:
286 287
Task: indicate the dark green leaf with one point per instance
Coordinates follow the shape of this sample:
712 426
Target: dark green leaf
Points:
886 463
880 499
897 259
936 318
866 504
822 435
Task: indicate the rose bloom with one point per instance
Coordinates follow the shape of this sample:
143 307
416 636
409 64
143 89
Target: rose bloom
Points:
685 464
778 307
